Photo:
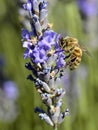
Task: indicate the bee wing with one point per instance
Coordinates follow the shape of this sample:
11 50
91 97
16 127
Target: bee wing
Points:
85 50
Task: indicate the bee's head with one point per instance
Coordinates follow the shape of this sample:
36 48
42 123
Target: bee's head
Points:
61 41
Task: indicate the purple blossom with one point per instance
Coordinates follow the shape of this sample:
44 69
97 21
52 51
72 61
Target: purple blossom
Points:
39 55
43 5
27 44
61 56
27 53
25 34
50 33
48 40
26 38
45 44
60 61
10 90
28 5
88 7
33 5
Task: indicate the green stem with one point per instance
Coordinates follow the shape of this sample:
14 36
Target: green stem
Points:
55 127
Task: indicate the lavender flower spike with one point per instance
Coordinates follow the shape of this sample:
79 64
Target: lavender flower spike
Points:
47 61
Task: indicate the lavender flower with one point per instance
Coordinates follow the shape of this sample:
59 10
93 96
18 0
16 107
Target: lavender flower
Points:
88 7
8 108
8 96
10 90
47 61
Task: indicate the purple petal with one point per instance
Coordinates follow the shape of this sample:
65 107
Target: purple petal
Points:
60 63
28 5
43 5
88 7
27 53
10 89
26 44
25 34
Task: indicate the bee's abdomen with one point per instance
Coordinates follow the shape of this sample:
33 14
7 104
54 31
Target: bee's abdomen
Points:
75 58
77 52
75 64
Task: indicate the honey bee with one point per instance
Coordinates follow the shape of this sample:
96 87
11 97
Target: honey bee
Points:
72 50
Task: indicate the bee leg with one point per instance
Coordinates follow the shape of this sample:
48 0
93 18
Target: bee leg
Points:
67 63
67 56
70 61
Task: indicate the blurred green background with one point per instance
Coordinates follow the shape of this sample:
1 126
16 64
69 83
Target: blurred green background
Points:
82 96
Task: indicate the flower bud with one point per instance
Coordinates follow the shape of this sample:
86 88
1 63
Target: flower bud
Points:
45 117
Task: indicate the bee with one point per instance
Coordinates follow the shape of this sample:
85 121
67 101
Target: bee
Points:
72 50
